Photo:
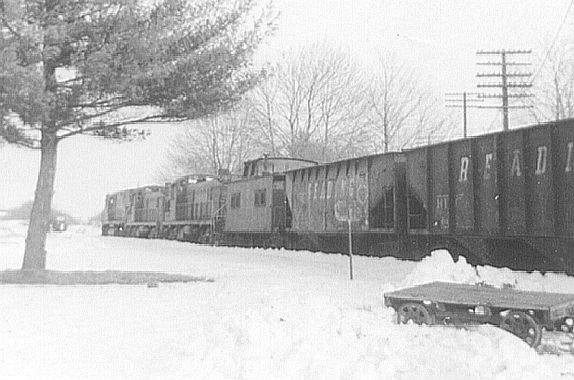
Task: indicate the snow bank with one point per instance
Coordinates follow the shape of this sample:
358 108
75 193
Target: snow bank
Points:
439 266
317 340
12 236
12 229
269 314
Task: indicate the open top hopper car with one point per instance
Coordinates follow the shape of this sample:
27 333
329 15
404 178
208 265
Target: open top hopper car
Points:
528 315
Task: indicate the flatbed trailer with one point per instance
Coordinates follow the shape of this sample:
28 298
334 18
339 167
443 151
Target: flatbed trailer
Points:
528 315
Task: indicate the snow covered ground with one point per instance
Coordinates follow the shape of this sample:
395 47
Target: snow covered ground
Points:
269 314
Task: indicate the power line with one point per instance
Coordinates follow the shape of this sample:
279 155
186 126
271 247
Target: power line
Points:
554 40
504 83
462 100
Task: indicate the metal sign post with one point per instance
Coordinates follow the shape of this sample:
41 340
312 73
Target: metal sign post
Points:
350 247
349 211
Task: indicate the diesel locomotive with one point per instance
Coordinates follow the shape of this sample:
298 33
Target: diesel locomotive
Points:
503 199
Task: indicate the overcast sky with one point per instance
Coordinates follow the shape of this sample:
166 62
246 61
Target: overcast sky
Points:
437 38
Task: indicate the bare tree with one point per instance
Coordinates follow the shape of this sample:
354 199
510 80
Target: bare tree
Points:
403 110
223 141
554 84
312 105
428 123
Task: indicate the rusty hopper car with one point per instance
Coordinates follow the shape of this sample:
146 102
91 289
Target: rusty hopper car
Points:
528 315
194 208
258 213
372 186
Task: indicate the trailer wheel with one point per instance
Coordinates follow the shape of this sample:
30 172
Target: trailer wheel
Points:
523 326
415 312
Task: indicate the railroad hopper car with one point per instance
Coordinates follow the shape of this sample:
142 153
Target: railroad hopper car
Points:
506 198
368 190
258 213
194 208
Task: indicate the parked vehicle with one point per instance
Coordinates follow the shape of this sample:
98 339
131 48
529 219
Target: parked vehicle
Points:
58 224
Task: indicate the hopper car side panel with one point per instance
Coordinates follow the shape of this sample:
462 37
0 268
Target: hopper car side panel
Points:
316 197
417 191
331 223
298 201
540 182
384 212
462 177
485 185
564 174
513 183
439 188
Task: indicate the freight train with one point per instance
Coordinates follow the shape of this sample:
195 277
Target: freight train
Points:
503 199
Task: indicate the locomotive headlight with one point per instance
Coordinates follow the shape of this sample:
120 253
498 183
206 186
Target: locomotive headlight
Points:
569 321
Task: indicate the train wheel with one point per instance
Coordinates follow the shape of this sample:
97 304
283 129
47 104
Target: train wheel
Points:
414 312
523 326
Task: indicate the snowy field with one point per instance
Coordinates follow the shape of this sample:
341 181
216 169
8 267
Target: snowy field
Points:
268 314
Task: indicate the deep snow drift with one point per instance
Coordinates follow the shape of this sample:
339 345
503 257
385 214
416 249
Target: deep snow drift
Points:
269 314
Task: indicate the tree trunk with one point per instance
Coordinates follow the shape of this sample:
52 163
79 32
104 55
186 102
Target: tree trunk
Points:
35 251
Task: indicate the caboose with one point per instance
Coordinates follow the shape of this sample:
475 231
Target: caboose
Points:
258 211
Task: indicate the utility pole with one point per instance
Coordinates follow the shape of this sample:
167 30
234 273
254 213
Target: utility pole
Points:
503 82
454 99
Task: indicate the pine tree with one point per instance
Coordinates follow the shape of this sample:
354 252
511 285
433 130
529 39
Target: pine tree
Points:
101 67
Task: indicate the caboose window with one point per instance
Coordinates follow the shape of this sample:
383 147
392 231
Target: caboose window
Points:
260 197
236 200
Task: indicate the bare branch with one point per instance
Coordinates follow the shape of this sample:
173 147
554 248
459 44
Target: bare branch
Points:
103 126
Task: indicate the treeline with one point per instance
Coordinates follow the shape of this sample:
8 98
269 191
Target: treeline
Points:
316 103
23 211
